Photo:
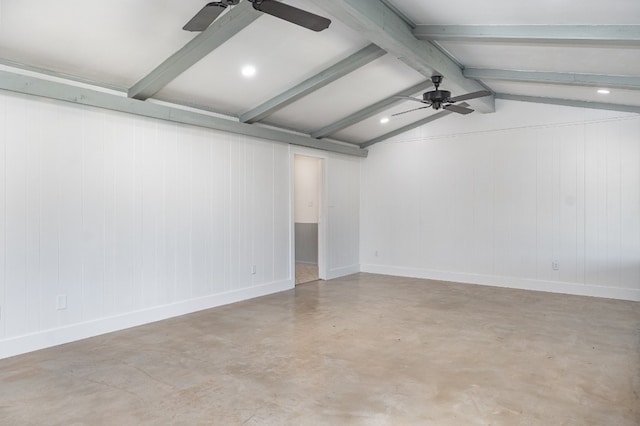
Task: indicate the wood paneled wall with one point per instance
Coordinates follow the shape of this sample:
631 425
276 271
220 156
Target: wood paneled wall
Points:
133 220
502 205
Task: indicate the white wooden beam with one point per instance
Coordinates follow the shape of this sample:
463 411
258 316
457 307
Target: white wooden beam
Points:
79 95
570 103
379 24
587 34
200 46
571 79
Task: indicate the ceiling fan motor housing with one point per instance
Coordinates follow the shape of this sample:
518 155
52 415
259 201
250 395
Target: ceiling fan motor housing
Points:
436 97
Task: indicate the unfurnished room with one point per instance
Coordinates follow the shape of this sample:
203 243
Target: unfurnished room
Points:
336 212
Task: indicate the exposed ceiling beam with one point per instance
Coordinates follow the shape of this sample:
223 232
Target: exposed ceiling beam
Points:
83 96
408 127
200 46
379 24
334 72
572 79
370 110
399 12
588 34
569 103
60 75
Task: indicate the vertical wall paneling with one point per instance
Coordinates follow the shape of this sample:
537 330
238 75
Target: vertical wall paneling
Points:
228 191
343 215
282 266
32 194
233 195
168 136
262 208
69 142
612 206
545 254
200 190
3 240
182 199
93 217
16 214
596 201
569 145
552 205
580 204
109 294
131 220
219 207
127 294
629 201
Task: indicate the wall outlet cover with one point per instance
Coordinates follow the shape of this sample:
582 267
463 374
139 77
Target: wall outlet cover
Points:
61 302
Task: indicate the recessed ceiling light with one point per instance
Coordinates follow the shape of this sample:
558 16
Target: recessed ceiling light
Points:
384 120
604 91
248 71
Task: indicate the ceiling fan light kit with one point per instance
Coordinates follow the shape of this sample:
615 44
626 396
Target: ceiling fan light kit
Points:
211 11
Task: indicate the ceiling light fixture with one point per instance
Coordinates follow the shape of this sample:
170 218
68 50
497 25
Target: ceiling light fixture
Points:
604 91
384 120
248 71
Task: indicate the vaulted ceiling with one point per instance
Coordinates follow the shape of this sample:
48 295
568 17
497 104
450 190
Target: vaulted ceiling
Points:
327 89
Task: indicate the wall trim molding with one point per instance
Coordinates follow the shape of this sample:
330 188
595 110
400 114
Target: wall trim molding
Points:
577 289
71 333
343 271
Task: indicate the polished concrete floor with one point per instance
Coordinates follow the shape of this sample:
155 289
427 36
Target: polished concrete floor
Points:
363 350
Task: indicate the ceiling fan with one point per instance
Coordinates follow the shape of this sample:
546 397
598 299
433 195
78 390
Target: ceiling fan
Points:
441 99
212 10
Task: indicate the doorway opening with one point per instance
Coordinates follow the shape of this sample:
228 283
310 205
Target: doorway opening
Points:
307 184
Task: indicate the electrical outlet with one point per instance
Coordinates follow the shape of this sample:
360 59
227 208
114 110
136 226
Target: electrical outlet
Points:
253 270
555 265
61 302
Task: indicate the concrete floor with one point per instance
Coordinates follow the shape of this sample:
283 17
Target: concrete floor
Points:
364 350
306 273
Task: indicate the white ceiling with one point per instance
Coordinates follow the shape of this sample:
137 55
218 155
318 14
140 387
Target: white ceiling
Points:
118 42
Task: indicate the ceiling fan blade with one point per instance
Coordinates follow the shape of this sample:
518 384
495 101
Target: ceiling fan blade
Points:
205 17
413 99
292 14
458 108
473 95
411 110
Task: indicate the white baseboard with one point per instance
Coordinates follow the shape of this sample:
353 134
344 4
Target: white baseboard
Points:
343 272
508 282
71 333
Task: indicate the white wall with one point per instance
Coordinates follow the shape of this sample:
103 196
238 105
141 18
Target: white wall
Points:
307 189
495 199
135 220
343 215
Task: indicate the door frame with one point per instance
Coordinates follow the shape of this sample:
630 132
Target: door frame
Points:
322 209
